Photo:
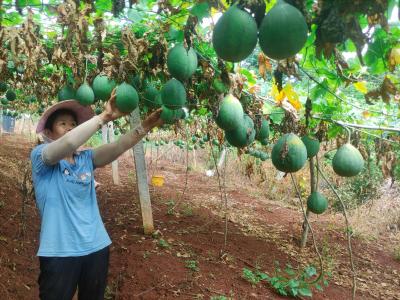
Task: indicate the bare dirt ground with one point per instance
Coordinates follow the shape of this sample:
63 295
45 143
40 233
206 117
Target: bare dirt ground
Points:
186 258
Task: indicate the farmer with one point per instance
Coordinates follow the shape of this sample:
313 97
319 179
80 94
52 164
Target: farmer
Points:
74 245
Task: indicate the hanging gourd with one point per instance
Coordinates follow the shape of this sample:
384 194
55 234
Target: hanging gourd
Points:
235 35
283 31
289 153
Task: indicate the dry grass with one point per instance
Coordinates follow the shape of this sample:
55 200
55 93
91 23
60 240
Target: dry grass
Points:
380 215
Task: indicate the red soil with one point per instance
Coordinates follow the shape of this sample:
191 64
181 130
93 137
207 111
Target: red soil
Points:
259 232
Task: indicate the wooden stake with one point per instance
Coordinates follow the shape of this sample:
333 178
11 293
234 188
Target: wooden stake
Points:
30 125
23 124
194 159
1 120
141 178
114 164
104 134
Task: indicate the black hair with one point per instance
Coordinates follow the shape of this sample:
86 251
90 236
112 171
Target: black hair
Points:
54 115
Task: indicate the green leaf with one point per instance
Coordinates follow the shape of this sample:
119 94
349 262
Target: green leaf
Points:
375 56
248 75
51 34
262 276
249 276
293 292
202 111
270 4
276 113
200 10
12 19
134 15
350 46
310 271
306 292
293 283
24 3
318 287
328 74
282 292
103 5
176 35
319 90
274 281
333 131
289 271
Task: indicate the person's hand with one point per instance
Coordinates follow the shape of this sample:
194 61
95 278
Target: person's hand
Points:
153 120
111 112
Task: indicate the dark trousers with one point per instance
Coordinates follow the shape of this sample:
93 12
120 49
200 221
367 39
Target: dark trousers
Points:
60 276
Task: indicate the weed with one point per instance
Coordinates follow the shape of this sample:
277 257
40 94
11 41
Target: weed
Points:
146 254
253 277
187 210
192 265
328 254
109 294
219 298
397 253
170 204
287 282
163 244
131 176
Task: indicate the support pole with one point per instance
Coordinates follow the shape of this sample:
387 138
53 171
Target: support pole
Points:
141 178
30 125
1 120
194 159
23 124
114 164
104 134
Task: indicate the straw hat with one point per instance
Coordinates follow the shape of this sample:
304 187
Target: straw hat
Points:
82 113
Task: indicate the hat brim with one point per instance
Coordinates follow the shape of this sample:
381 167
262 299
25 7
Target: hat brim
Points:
82 113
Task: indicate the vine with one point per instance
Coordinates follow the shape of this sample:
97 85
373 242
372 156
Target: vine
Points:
321 265
348 233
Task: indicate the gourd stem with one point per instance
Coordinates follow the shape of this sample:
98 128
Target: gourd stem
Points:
348 134
85 70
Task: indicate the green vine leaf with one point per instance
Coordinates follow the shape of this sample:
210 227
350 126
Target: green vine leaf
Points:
135 15
375 56
103 5
306 292
201 10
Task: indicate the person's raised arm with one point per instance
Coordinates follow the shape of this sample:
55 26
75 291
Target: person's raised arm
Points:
107 153
72 140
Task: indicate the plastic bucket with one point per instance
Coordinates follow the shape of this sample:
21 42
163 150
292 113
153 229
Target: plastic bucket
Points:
157 180
8 124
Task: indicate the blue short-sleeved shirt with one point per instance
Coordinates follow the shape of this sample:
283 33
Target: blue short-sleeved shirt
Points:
66 199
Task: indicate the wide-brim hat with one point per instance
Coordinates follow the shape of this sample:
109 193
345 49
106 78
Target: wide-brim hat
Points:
82 113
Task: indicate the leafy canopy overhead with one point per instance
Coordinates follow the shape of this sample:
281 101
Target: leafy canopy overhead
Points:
348 68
